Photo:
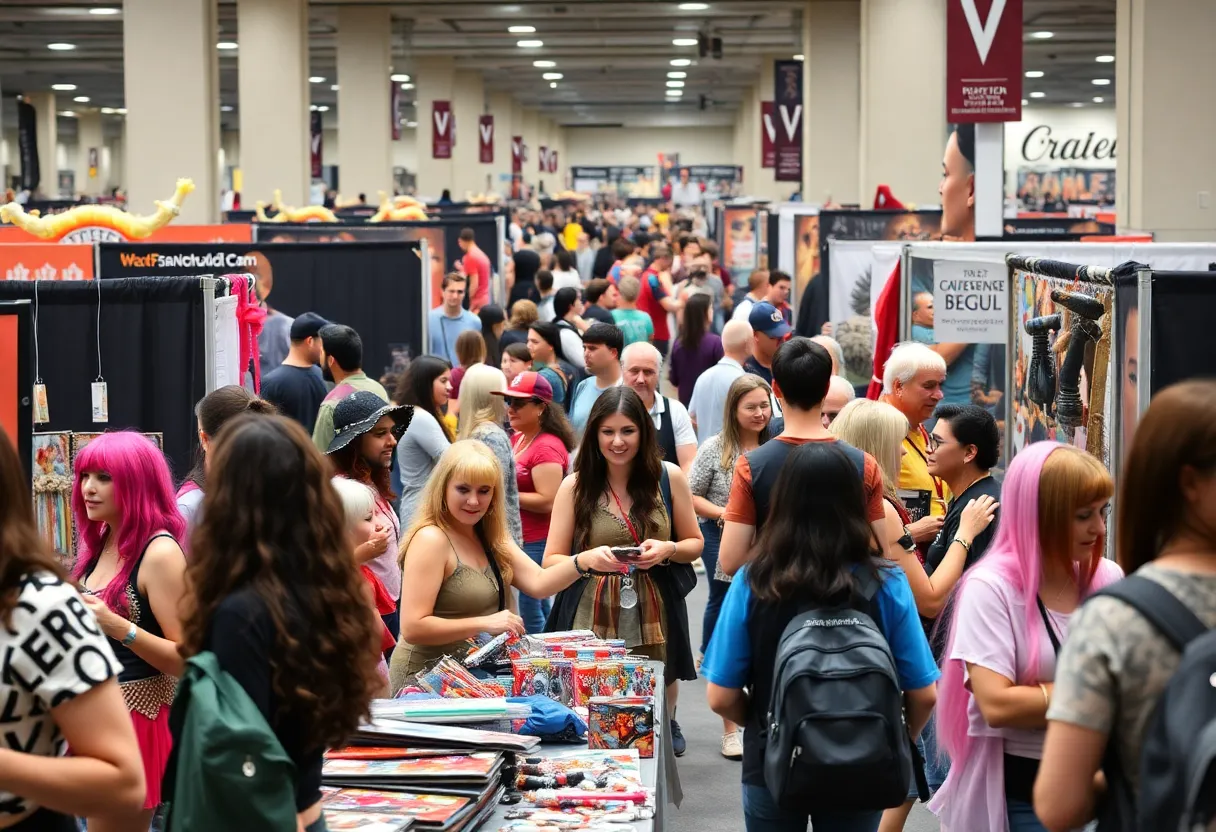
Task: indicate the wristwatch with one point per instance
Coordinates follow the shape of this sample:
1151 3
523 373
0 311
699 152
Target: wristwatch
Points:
129 638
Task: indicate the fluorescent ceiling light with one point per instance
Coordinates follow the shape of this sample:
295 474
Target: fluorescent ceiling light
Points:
103 11
411 124
399 78
677 75
1098 99
681 62
1077 104
122 111
552 85
1024 102
1043 35
521 30
63 87
226 45
1035 73
544 64
227 108
333 87
1038 94
107 111
324 108
312 108
675 93
800 57
693 7
1105 59
316 79
1101 82
81 99
553 76
684 42
675 84
61 47
407 86
67 113
530 44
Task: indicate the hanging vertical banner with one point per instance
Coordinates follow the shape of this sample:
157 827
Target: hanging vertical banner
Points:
27 146
485 140
394 109
517 154
787 111
552 161
542 159
94 157
983 61
314 143
441 130
768 136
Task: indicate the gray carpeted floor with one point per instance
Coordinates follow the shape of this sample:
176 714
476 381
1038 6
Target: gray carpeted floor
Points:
711 782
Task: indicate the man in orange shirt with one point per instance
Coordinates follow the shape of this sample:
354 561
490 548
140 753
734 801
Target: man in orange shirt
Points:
802 372
475 265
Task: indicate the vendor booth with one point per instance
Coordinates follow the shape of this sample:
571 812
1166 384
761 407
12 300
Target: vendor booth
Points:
17 375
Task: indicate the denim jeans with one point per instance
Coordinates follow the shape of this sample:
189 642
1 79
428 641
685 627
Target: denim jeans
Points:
1022 817
936 768
762 814
534 612
717 589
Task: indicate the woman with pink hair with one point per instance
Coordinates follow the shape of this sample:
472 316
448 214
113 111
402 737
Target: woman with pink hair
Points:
1010 616
131 570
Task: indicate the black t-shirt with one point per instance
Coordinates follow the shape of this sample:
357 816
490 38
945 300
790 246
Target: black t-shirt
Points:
296 391
242 637
598 313
751 365
937 549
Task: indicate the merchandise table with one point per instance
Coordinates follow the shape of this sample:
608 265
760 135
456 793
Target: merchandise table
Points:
659 772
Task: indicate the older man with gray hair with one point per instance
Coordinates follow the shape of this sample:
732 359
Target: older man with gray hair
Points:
840 393
912 383
641 363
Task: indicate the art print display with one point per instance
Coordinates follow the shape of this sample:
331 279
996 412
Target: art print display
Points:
431 809
622 722
366 822
740 240
1061 356
52 485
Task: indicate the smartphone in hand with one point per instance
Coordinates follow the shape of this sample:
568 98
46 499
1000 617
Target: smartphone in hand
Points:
626 554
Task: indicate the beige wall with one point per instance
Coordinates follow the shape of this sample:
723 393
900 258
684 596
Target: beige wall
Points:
1166 111
903 98
642 146
831 39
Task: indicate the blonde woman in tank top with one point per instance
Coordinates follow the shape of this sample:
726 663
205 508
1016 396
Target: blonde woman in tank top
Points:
459 562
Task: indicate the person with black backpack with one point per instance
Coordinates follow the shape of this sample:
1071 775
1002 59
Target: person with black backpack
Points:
1128 701
819 652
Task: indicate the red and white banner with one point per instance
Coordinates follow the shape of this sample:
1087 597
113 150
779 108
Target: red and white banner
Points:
485 140
517 154
552 161
768 136
542 159
983 61
441 129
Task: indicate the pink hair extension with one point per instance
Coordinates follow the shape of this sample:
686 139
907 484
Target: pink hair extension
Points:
143 494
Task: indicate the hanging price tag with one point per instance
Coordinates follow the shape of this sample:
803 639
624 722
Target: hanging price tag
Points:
42 414
101 402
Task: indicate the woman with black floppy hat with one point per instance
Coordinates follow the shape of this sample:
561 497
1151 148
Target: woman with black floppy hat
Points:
366 433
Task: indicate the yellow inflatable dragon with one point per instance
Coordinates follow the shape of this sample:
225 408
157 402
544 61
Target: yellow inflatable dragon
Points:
131 226
398 209
309 213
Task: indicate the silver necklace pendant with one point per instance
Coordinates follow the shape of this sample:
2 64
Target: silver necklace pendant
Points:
629 597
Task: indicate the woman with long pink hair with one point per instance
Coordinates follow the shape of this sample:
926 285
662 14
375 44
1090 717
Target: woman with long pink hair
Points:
132 574
1010 616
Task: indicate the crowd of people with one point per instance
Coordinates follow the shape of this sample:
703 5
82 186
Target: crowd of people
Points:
573 461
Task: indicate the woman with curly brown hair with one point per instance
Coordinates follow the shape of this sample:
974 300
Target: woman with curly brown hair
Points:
276 597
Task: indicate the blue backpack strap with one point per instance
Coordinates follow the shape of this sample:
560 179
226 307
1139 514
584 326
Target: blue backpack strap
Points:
1160 607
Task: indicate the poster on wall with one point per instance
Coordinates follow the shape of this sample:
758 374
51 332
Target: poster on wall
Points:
542 159
787 109
970 302
552 161
740 241
1054 190
768 136
441 130
485 139
983 61
1034 403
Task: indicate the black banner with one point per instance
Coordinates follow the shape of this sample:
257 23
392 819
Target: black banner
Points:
27 146
373 287
813 306
441 234
787 112
152 355
1038 228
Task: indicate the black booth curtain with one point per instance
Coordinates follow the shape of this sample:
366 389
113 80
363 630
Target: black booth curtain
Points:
1183 338
152 355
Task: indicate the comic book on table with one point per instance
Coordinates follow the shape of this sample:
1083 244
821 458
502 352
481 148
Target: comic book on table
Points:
467 775
442 813
374 753
383 733
366 822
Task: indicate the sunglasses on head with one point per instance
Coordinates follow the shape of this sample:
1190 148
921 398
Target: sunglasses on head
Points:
518 401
